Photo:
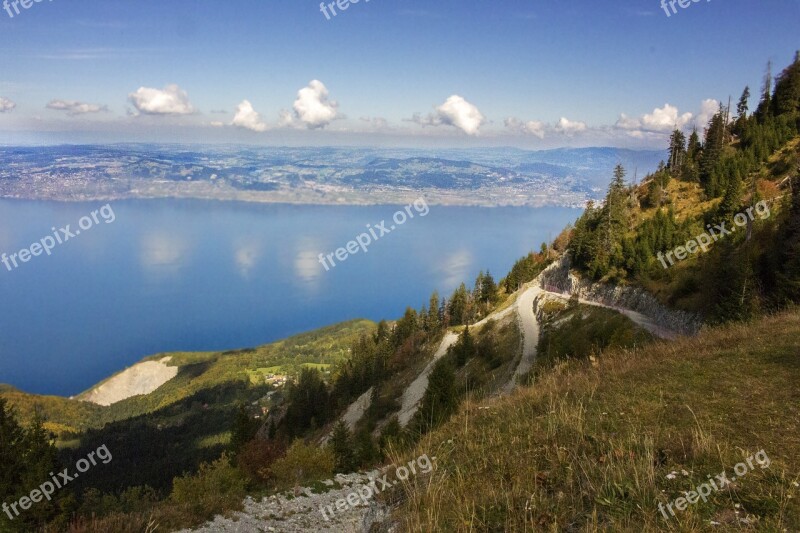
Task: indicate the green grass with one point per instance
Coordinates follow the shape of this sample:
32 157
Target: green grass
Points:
589 446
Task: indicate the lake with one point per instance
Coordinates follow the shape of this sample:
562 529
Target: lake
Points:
172 275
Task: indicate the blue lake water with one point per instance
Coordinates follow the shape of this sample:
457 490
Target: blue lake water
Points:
171 275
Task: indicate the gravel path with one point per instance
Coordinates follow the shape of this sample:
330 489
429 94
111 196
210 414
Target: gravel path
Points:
529 328
640 319
414 393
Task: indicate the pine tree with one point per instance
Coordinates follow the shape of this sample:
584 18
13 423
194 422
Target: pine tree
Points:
465 348
341 443
677 150
764 111
432 320
786 99
382 332
440 400
788 274
712 153
488 289
244 429
457 307
742 106
366 451
27 456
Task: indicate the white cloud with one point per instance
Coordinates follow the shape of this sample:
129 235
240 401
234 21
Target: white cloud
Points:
286 120
531 127
312 106
246 117
628 123
216 124
6 105
708 108
665 119
73 107
569 127
171 100
456 112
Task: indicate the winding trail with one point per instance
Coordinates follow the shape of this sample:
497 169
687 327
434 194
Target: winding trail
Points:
529 329
414 393
642 320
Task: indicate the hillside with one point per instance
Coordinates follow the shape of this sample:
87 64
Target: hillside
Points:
599 444
594 387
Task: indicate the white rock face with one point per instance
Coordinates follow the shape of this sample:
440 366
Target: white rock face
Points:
142 378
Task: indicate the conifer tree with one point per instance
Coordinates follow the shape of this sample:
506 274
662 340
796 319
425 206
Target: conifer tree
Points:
342 446
788 275
440 400
764 111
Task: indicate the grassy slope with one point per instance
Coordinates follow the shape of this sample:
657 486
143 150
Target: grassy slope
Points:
590 447
688 202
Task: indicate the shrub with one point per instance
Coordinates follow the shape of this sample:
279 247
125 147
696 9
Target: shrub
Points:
217 487
255 459
303 463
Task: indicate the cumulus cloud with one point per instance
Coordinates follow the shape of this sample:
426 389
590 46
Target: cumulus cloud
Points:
628 123
246 117
312 106
665 119
171 100
286 119
6 105
73 107
456 112
531 127
569 127
216 124
708 108
662 119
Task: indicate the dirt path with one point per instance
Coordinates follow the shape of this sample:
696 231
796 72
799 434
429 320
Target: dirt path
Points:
529 329
414 393
638 318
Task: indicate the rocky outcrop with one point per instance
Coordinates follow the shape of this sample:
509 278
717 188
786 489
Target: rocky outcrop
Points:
560 279
142 378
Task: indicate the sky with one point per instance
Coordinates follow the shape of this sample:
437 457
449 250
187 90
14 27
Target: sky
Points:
415 73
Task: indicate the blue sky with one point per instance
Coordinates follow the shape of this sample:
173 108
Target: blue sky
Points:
532 74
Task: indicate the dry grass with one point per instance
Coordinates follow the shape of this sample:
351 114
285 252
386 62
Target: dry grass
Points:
589 446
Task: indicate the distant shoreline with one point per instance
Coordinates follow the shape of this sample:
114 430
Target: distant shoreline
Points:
480 198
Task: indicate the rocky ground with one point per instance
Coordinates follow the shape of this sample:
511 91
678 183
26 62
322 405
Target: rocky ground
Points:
287 513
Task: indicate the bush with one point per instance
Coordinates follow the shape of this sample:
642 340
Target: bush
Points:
217 487
302 464
255 459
